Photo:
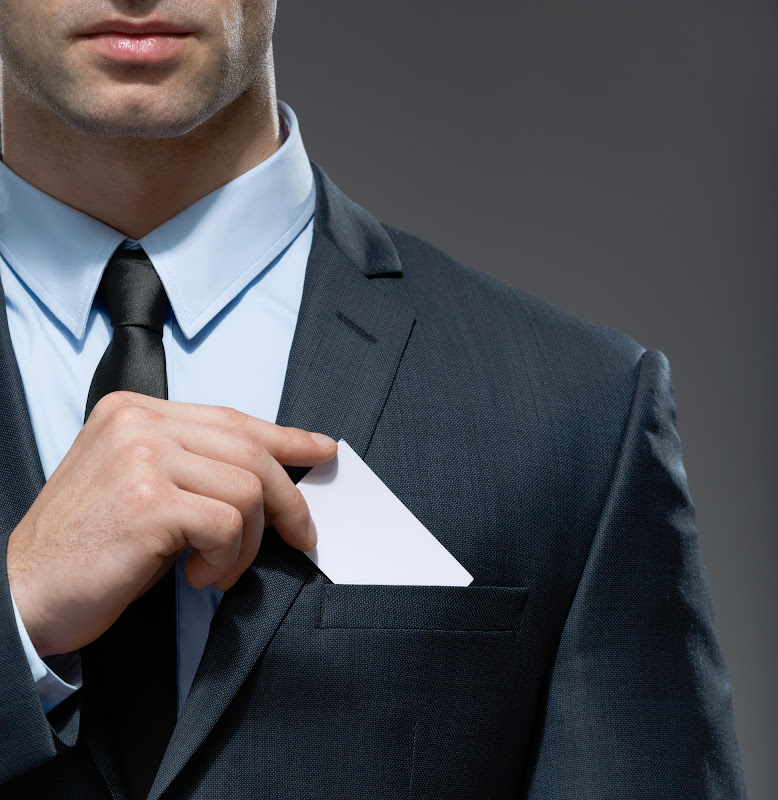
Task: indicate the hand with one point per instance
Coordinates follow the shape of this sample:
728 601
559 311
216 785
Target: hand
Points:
145 480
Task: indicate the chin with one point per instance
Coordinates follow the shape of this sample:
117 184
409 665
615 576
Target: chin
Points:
126 111
139 124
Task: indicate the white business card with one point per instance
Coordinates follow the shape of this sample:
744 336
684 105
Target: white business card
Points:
366 534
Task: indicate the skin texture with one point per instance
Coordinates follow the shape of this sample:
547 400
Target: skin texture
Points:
133 145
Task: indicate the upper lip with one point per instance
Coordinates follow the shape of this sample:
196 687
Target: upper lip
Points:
125 26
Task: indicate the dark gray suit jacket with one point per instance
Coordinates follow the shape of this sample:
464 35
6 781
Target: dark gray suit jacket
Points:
542 452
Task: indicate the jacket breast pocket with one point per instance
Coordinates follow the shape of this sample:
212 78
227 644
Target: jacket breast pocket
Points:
433 608
443 664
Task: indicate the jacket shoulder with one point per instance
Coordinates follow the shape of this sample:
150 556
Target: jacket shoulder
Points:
450 290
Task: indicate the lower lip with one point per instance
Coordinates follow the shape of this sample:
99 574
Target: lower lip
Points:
150 48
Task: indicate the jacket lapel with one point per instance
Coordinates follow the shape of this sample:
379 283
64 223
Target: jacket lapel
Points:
21 475
350 336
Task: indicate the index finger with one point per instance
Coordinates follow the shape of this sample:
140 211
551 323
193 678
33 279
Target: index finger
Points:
294 447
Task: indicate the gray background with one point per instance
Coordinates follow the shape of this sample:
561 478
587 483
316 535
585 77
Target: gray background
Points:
618 159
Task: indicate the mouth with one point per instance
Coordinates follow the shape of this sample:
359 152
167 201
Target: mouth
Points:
148 42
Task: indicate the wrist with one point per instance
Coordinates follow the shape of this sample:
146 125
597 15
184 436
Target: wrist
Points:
23 598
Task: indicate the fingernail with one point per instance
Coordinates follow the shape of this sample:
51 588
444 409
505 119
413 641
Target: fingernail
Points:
324 441
313 537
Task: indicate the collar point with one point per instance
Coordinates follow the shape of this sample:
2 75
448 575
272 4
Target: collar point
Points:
77 327
189 330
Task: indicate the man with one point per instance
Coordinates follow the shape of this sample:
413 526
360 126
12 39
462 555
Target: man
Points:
187 300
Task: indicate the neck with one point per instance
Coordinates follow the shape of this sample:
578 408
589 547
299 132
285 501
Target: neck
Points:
136 184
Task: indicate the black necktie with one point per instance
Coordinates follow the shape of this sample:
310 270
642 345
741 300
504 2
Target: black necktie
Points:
130 672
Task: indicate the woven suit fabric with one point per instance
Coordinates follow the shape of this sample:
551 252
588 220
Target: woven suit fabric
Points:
542 452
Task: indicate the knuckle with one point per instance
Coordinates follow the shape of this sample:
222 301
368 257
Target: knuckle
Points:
144 492
297 505
140 451
233 524
129 417
144 486
233 418
158 543
250 487
111 402
252 447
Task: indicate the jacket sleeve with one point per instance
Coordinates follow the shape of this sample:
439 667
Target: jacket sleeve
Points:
29 739
638 701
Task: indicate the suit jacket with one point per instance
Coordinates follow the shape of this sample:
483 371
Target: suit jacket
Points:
542 452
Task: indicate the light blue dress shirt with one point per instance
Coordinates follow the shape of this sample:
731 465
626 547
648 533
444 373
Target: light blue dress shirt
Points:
233 266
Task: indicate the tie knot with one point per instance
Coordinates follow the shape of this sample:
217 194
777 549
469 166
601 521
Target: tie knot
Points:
132 292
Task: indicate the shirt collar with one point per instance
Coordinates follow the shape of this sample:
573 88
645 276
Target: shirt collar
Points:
205 255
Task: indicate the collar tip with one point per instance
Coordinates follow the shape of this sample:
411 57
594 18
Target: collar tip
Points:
189 331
